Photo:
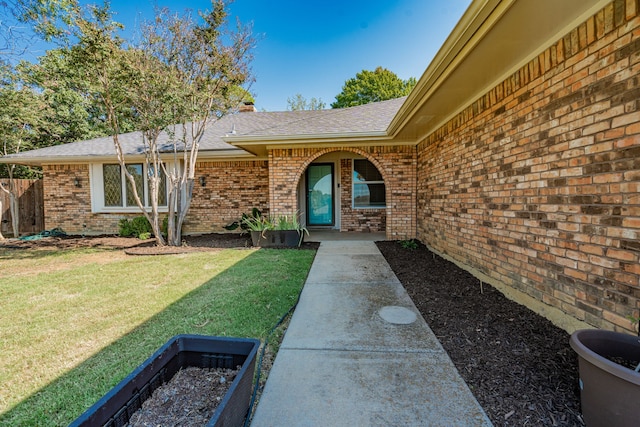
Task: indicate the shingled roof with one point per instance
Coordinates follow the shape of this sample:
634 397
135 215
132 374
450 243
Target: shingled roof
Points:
301 126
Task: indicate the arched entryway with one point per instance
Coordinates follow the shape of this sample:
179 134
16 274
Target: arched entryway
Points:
345 191
396 166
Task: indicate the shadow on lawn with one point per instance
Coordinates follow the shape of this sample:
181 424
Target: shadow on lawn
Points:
254 307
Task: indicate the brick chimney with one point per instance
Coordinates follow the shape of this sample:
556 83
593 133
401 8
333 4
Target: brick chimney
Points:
247 107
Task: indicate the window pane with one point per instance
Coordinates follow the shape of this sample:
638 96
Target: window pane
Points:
364 170
112 185
162 190
136 171
369 195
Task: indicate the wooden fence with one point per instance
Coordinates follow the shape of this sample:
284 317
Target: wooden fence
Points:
31 207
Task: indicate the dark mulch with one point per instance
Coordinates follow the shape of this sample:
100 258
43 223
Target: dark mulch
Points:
134 246
190 398
518 365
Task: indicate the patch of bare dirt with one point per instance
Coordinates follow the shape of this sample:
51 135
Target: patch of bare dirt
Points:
518 365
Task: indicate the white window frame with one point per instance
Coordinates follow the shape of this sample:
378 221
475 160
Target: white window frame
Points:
354 183
97 190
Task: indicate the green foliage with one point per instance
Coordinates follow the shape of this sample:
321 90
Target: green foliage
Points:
299 102
277 222
409 244
243 221
136 227
372 86
20 113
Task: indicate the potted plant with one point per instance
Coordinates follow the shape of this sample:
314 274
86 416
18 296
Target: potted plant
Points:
117 407
276 231
609 364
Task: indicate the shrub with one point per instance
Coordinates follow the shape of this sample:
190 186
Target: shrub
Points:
134 227
409 244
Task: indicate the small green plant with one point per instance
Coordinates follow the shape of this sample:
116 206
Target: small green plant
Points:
636 321
257 223
242 222
409 244
278 222
134 227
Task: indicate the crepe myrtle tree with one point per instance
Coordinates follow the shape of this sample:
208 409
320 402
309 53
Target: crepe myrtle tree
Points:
176 80
205 64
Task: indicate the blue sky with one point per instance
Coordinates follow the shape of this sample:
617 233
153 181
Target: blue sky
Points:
312 47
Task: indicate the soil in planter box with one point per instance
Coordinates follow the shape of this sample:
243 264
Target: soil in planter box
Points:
189 399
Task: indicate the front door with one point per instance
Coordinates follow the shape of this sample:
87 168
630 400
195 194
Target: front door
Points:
320 206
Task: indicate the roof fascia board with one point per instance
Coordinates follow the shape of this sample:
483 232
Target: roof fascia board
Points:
240 141
544 45
473 25
432 80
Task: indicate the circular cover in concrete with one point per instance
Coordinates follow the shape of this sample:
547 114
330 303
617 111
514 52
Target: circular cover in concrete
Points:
397 315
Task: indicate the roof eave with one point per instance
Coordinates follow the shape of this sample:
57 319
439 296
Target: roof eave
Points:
458 60
259 145
56 160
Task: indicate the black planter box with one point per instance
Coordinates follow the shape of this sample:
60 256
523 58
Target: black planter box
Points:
119 404
277 238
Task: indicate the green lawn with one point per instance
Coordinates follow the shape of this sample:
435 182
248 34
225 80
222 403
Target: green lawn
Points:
74 323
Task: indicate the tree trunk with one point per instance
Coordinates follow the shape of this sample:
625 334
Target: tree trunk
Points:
1 236
14 209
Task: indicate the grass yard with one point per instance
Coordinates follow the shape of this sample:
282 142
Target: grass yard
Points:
73 323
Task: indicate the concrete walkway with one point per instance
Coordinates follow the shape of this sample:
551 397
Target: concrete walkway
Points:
358 353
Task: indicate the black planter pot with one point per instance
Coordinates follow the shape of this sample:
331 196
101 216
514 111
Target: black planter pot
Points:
118 405
610 393
277 238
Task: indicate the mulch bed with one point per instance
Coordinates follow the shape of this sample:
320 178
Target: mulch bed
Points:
518 365
134 246
190 398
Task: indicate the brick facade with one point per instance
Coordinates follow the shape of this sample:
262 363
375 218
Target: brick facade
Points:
537 183
230 189
357 220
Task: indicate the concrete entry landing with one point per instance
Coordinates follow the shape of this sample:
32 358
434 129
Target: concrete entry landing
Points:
341 363
337 235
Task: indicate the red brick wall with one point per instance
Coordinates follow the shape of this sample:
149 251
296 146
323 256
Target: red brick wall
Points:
231 188
359 220
537 183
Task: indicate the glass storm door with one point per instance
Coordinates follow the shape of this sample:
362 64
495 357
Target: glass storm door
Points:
320 206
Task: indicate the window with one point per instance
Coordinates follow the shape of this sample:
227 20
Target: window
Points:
368 186
112 191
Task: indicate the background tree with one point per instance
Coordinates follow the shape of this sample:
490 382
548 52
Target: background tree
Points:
372 86
299 102
74 114
21 113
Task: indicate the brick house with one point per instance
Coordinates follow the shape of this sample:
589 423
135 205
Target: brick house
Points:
517 155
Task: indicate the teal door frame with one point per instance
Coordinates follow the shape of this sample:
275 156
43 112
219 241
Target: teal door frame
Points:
320 202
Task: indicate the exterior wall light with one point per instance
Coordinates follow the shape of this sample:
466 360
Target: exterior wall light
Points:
76 182
203 182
